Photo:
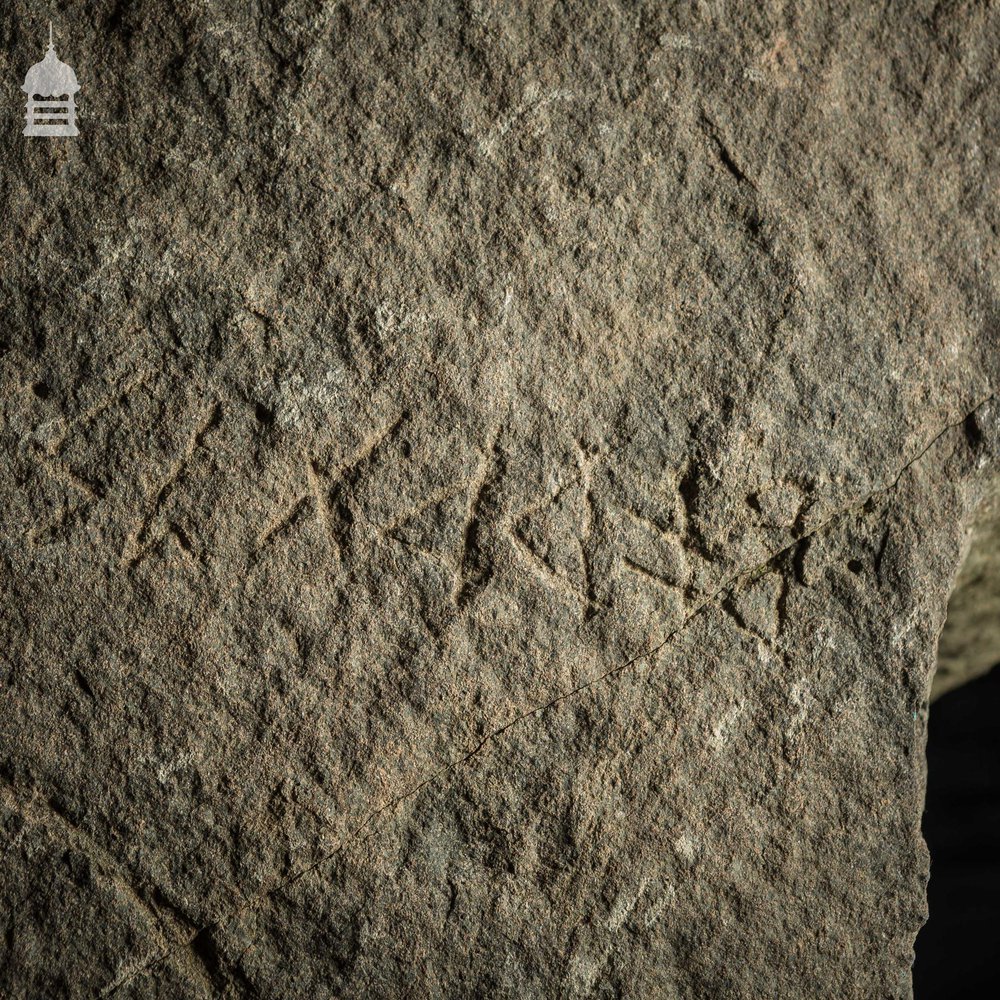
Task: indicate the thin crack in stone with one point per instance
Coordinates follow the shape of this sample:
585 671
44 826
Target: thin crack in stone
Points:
725 590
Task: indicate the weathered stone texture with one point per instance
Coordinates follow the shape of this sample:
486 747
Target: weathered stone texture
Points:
481 489
970 643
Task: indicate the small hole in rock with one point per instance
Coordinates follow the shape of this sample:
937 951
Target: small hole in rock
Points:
41 390
264 414
855 565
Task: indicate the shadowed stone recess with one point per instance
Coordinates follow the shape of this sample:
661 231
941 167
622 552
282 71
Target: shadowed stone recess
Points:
482 485
970 642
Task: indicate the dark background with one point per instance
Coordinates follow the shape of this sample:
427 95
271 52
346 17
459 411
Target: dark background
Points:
957 949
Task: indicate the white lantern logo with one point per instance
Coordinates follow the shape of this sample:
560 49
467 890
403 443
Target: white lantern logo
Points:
51 87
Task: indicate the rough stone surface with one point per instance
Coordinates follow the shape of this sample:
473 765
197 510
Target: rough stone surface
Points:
481 489
970 643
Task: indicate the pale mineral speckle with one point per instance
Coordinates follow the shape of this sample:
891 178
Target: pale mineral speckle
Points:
686 848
